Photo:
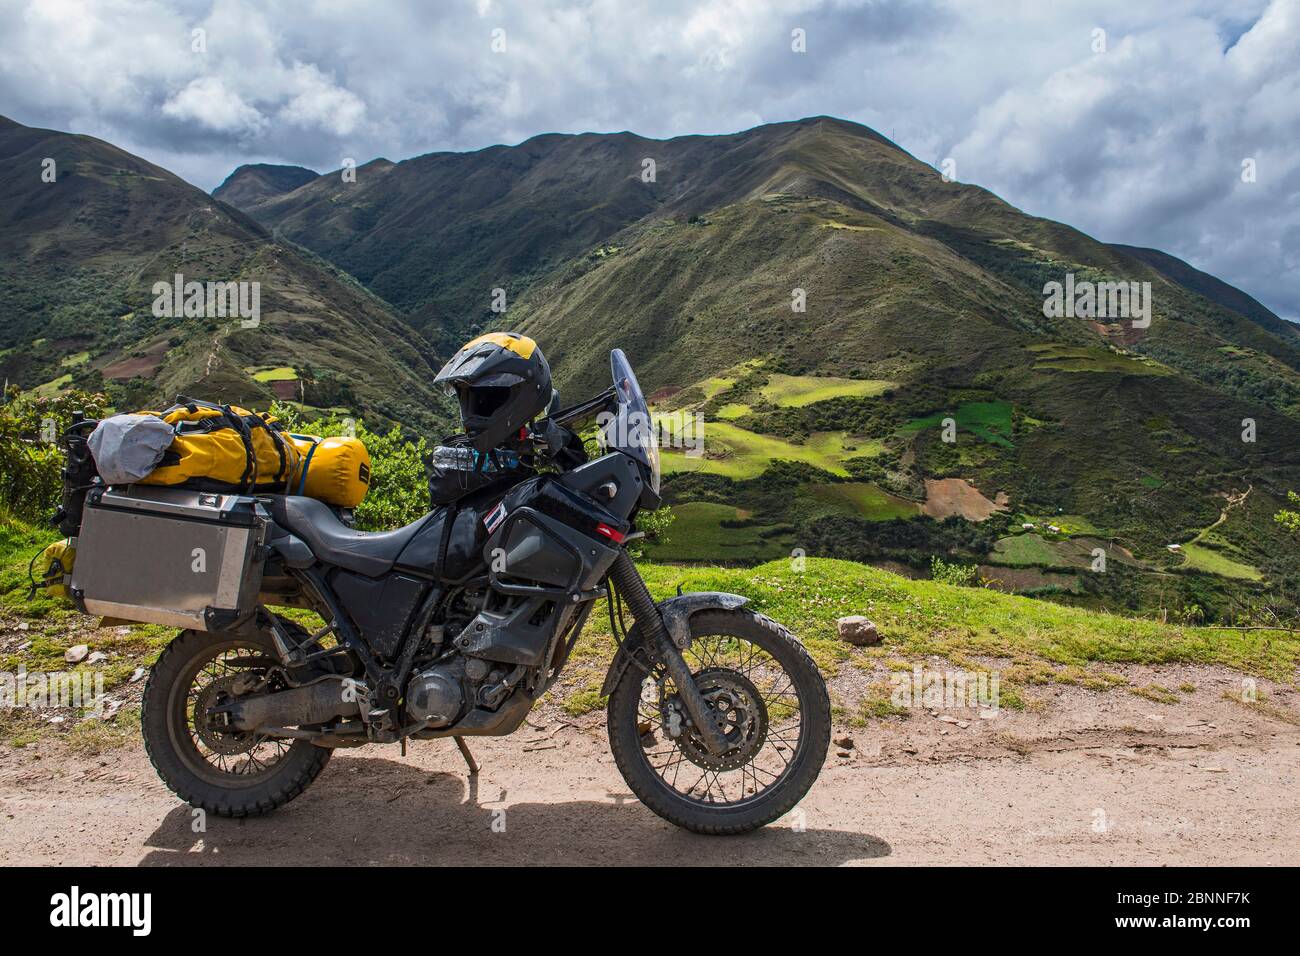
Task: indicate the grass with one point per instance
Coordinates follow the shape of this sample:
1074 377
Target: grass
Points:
870 501
54 386
733 410
1025 550
1198 557
736 453
1038 643
990 421
79 358
281 373
796 391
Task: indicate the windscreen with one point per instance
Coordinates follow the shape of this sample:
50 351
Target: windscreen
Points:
632 430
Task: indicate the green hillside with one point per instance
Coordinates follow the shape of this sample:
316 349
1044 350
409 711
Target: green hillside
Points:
79 257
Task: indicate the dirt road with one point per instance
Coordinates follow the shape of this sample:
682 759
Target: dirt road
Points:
1085 777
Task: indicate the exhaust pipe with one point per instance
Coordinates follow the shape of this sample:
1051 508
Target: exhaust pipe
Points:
313 704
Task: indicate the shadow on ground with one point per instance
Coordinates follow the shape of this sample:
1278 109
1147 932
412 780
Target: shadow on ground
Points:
376 811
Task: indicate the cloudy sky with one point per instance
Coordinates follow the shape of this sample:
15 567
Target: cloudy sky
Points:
1131 121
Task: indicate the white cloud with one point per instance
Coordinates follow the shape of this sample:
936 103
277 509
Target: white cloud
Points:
207 102
322 104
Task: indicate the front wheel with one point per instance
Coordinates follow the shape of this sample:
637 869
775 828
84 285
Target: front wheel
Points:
774 711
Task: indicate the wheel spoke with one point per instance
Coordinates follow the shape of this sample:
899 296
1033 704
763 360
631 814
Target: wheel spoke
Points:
758 705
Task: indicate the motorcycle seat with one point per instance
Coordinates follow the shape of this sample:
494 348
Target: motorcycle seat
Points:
371 553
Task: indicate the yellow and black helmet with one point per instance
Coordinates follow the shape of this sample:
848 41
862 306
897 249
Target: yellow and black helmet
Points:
502 382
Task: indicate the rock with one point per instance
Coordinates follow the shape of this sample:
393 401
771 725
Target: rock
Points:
858 631
843 753
110 710
948 719
844 743
137 674
963 724
77 654
97 657
25 645
24 626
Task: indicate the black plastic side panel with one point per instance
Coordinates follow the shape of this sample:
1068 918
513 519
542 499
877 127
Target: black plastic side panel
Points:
614 467
380 607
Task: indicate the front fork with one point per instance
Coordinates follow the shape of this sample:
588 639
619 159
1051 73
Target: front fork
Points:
631 586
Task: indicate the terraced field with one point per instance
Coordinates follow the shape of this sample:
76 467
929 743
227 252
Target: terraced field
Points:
1056 357
796 391
736 453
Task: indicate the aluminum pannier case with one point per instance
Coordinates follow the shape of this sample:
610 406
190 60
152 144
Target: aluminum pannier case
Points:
170 556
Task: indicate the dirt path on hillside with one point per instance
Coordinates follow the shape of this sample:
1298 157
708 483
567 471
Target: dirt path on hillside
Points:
1083 777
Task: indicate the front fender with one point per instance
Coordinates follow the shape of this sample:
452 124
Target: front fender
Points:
677 613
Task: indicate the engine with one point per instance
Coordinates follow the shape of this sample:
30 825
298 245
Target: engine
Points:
449 685
437 695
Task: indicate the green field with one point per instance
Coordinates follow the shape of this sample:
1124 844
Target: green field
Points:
990 421
697 534
733 410
1023 550
868 500
1201 558
78 358
735 453
281 373
796 391
52 387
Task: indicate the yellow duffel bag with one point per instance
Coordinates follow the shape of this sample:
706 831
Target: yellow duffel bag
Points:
225 447
334 470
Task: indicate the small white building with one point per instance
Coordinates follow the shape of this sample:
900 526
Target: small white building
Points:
1175 548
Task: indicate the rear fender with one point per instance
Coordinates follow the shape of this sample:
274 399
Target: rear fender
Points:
677 613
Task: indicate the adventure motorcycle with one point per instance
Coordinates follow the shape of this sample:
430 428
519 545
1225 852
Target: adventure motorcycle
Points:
456 624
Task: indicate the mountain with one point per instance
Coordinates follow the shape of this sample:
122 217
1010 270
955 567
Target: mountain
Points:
86 230
254 183
873 351
924 301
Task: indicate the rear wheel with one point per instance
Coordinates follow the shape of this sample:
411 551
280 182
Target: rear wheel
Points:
229 773
772 705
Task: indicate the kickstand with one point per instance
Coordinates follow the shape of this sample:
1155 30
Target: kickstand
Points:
464 752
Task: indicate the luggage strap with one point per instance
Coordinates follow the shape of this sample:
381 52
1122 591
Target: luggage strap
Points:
249 478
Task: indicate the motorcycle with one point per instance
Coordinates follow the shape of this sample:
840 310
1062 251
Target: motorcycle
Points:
455 625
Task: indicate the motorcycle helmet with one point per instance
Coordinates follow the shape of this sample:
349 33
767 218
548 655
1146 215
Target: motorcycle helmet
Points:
502 382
